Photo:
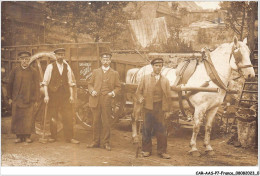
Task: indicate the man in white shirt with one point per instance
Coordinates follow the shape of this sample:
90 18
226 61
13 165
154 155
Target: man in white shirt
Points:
103 86
58 90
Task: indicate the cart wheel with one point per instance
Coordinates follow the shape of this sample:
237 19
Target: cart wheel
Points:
84 116
85 119
39 61
83 111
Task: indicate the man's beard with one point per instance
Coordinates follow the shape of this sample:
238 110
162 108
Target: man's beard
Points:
106 65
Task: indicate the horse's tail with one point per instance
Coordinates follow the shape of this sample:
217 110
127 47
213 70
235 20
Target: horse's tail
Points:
131 75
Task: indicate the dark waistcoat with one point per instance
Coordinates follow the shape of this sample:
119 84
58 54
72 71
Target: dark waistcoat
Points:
105 87
157 92
59 83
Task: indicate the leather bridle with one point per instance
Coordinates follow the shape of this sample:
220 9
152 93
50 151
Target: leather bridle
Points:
238 58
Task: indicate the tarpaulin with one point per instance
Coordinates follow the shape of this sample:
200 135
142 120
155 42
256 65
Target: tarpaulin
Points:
146 32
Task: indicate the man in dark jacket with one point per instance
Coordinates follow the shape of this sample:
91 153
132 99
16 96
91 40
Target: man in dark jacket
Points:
154 92
103 86
23 91
58 91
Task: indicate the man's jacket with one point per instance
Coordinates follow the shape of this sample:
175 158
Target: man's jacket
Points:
95 83
146 87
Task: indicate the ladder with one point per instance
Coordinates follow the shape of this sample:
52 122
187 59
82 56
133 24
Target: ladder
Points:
249 93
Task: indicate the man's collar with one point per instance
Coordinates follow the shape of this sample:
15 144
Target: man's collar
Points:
59 63
153 74
24 67
105 68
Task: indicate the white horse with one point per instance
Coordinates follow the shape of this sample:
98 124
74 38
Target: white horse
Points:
228 56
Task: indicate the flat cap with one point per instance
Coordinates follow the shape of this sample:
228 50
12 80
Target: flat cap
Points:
59 50
106 55
24 54
157 60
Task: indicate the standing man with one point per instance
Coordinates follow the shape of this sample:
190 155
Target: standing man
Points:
23 91
154 92
103 86
58 90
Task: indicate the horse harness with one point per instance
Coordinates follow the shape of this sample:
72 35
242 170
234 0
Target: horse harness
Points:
186 69
238 58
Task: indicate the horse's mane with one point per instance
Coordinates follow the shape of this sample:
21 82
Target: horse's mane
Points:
224 48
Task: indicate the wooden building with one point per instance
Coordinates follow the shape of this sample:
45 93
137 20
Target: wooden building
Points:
22 23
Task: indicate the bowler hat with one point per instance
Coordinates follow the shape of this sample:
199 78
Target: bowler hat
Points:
24 54
106 55
157 60
59 50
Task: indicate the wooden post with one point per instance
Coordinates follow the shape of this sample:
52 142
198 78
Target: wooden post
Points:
98 64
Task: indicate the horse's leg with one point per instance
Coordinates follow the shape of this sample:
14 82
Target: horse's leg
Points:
210 117
134 129
198 117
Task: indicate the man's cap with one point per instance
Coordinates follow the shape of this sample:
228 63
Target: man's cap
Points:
24 54
157 60
105 55
59 50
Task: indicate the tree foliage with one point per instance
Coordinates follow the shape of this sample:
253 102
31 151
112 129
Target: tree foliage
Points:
102 20
241 16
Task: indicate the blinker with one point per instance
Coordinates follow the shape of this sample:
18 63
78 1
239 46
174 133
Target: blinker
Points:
237 55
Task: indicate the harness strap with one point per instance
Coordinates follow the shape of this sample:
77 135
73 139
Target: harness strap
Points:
211 71
179 80
186 97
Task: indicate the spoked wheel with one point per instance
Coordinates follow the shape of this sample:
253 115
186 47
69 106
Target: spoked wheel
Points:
84 116
83 111
38 62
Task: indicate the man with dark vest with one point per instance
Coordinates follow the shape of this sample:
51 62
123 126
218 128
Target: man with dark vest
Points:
103 86
58 91
154 91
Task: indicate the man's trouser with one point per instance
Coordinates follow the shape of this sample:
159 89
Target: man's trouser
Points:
23 136
59 103
101 119
154 121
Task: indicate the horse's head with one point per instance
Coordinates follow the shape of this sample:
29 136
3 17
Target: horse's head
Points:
241 57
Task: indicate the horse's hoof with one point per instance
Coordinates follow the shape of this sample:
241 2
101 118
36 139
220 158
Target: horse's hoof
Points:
195 153
210 152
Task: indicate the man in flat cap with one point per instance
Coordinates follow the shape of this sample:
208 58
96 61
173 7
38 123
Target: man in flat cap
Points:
58 89
23 92
154 91
103 86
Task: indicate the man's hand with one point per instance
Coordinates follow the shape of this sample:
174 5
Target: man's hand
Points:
71 99
35 105
94 93
46 99
10 101
111 94
141 100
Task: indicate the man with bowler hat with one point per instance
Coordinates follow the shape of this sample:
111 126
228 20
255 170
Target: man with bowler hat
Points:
103 87
58 90
23 92
154 92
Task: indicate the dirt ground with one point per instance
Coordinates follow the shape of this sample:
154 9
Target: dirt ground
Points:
123 151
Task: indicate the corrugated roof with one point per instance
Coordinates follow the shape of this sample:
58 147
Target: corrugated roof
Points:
149 31
189 5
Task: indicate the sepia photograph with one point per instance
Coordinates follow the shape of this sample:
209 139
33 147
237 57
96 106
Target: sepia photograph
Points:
136 84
